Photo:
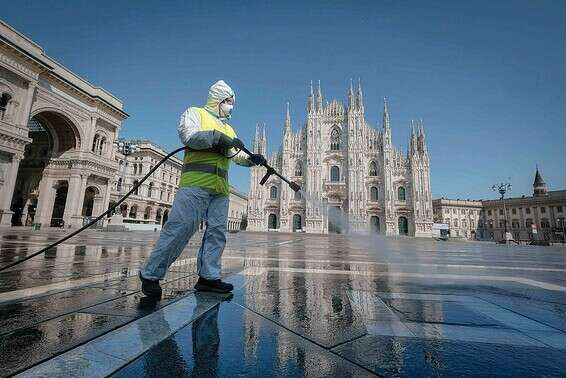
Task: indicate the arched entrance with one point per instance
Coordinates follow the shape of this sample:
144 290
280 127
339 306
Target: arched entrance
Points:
124 210
272 222
335 220
88 204
297 222
134 211
59 204
374 225
147 213
52 134
403 226
110 205
165 216
158 215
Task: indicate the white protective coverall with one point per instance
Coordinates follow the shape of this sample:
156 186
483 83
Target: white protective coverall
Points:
193 204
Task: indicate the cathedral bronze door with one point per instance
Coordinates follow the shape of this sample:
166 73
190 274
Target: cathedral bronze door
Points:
272 222
374 225
335 220
403 226
297 222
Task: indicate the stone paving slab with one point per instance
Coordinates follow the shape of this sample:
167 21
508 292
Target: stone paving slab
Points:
216 345
394 307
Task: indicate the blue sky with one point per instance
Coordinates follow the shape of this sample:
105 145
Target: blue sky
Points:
487 77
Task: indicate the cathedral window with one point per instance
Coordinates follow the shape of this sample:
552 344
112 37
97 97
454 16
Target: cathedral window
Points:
334 173
298 169
335 139
273 192
401 193
372 169
373 194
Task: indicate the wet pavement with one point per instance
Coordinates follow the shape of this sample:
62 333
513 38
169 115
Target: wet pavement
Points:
303 305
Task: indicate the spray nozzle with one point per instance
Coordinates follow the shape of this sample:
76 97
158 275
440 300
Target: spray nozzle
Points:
293 185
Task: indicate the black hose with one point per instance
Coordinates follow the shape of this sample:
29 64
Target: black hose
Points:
98 217
293 186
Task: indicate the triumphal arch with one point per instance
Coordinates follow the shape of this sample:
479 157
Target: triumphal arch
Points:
56 137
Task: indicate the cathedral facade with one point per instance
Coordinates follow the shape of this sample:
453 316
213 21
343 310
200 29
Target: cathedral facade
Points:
353 179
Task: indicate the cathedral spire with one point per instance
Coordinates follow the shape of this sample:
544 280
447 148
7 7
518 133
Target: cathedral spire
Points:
539 186
360 96
351 96
386 125
287 121
318 98
311 99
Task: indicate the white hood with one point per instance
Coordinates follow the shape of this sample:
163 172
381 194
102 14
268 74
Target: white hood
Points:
217 93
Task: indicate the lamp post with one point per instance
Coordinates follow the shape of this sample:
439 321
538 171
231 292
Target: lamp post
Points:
503 188
126 148
562 221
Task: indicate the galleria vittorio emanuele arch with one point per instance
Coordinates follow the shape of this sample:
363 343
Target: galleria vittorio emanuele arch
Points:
56 136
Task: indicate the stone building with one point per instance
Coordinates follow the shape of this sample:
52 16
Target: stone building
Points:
56 135
355 180
540 216
461 216
238 209
152 201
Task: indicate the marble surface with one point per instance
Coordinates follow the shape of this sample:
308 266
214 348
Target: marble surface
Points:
314 305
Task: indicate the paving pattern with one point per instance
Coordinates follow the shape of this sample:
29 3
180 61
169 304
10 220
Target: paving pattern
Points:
303 305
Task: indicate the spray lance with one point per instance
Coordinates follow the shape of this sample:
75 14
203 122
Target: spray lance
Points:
271 171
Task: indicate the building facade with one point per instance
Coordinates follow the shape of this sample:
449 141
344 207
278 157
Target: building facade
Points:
353 178
237 212
461 216
56 135
541 216
152 201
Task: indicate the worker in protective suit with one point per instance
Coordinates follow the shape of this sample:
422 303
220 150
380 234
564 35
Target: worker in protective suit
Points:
203 193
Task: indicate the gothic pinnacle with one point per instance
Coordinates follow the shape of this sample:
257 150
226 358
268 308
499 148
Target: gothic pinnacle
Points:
360 96
287 120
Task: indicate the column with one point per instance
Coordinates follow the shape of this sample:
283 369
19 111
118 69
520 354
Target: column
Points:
45 201
72 198
26 109
105 200
8 191
77 217
98 205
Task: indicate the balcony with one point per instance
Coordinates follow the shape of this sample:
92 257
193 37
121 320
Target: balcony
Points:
336 187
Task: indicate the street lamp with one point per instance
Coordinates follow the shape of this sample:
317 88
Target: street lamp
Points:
502 188
562 221
126 148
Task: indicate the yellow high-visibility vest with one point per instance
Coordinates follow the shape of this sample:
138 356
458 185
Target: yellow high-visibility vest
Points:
207 169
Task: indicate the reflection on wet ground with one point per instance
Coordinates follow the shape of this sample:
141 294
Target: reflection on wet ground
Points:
303 305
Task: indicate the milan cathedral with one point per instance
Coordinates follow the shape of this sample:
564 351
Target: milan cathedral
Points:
354 180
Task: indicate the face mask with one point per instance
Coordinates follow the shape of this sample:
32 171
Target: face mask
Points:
226 110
